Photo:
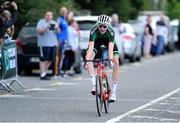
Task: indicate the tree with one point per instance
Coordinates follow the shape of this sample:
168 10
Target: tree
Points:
32 10
173 8
123 8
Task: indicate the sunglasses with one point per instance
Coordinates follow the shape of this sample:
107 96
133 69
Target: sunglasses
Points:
100 26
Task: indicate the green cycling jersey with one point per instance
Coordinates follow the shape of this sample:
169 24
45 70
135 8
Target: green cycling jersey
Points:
107 37
103 39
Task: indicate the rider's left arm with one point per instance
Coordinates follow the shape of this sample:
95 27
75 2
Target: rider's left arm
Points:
110 52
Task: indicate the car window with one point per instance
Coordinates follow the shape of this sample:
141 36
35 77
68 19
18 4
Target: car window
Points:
28 32
86 25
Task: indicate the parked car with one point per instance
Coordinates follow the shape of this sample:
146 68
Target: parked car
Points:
86 23
27 51
173 34
139 31
119 42
131 43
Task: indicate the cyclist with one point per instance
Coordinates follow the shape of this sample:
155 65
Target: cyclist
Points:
103 34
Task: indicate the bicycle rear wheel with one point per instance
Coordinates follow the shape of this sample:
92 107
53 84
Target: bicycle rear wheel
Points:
107 91
99 100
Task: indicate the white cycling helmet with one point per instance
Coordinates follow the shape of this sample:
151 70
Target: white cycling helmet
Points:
104 19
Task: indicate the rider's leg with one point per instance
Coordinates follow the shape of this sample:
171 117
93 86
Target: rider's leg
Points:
115 73
90 68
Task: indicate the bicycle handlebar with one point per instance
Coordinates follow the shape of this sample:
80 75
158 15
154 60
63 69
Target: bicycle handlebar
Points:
96 60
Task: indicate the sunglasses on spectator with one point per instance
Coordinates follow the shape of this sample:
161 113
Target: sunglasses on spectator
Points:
101 26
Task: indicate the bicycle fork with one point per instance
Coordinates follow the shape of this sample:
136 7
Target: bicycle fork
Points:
103 82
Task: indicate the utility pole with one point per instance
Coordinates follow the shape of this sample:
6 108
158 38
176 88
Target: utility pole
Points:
154 4
163 4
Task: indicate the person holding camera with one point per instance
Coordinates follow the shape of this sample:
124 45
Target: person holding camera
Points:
6 21
47 41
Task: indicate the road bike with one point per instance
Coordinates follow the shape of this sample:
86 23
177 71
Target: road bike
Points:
103 91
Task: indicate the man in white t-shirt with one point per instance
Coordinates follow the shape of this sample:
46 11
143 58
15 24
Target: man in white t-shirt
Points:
47 41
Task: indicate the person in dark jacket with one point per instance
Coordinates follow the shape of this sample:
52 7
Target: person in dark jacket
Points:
162 32
5 21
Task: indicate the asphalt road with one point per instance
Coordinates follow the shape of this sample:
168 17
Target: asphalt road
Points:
147 91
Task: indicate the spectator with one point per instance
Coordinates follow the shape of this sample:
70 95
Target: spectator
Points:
47 41
6 19
62 37
10 30
162 31
118 28
148 37
70 18
71 44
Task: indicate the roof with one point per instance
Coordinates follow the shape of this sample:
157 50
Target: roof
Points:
86 18
151 12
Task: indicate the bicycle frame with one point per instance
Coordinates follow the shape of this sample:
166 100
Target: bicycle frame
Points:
101 73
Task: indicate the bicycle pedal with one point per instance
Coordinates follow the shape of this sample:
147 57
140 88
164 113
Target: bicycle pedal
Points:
111 101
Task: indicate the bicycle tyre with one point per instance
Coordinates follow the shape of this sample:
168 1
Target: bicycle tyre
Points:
99 101
106 102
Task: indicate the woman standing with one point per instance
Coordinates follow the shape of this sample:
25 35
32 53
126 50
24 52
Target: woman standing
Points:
149 37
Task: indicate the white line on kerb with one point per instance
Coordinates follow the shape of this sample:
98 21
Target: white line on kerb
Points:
142 107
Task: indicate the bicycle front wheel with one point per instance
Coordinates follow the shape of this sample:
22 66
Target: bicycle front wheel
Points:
107 92
99 100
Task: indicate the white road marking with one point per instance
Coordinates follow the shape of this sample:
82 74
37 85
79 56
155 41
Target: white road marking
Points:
77 78
13 96
162 110
118 118
40 89
137 64
63 83
173 112
156 118
174 98
151 109
162 103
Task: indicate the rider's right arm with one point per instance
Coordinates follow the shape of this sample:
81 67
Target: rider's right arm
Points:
89 50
